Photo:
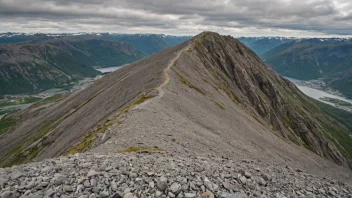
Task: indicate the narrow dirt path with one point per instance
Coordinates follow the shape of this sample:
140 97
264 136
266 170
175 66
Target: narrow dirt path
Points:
166 72
167 78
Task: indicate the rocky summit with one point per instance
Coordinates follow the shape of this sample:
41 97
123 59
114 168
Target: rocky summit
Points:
206 118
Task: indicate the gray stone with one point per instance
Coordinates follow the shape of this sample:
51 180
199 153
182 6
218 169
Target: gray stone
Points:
86 184
158 193
68 188
247 175
59 179
243 180
113 186
175 188
93 182
105 193
92 173
162 183
190 195
261 181
96 190
6 194
170 194
46 169
118 195
80 188
16 175
128 195
207 194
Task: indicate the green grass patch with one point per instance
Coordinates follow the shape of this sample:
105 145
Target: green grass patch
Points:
88 141
85 144
342 138
340 115
198 42
7 111
186 82
230 94
6 124
219 105
142 99
48 100
141 150
26 100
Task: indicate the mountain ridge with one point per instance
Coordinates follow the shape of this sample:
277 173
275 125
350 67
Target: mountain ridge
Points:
221 99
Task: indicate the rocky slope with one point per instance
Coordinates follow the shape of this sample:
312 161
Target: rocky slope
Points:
162 175
208 96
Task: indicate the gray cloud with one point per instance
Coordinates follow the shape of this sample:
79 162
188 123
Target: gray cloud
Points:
235 17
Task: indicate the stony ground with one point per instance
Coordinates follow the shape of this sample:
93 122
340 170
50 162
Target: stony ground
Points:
161 175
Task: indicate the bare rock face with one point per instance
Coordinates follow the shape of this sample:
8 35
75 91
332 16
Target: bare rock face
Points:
246 79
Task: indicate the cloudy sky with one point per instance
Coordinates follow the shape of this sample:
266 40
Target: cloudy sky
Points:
180 17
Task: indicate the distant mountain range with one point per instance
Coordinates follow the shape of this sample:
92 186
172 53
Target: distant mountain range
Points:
147 43
261 45
308 58
34 62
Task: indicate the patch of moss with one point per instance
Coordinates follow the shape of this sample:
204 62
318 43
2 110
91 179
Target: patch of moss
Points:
7 111
230 94
88 141
23 156
142 99
219 105
49 100
288 121
26 100
205 80
6 124
189 84
85 144
141 150
260 122
198 42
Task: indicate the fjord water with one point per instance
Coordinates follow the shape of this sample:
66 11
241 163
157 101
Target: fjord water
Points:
109 69
315 93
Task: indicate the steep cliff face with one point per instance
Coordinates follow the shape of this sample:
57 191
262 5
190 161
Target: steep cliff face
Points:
245 78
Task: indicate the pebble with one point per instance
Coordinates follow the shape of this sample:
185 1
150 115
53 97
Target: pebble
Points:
175 187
